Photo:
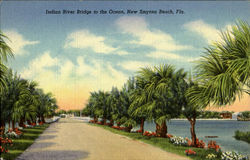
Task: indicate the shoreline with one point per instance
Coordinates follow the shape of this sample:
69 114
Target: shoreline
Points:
175 119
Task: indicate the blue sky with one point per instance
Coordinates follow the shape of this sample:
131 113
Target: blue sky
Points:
70 55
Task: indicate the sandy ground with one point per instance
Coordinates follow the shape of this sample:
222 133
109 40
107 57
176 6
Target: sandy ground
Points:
71 139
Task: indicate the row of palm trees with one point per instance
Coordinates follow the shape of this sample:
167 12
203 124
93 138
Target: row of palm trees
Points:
20 99
162 92
156 94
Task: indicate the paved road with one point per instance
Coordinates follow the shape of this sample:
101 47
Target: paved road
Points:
71 139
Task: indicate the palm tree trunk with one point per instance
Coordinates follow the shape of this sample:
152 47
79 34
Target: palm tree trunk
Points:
43 120
29 123
111 122
33 120
9 123
142 126
21 123
13 124
161 130
192 130
95 119
128 129
2 127
118 124
39 119
104 121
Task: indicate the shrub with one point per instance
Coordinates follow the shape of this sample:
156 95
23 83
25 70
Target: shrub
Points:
244 136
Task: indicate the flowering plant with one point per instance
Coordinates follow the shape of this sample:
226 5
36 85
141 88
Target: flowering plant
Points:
211 156
91 121
178 141
117 127
233 156
190 152
4 143
149 133
139 131
201 143
28 126
16 133
213 145
107 124
169 135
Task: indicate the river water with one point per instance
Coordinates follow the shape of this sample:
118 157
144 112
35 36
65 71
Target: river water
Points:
224 129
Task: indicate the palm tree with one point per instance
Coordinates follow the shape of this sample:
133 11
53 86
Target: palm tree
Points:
192 111
223 72
46 105
92 105
125 96
137 109
16 101
5 52
162 88
115 104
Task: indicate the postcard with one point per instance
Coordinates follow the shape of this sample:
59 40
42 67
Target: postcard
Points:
124 80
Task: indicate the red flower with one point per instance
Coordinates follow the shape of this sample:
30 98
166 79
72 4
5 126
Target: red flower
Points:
139 131
169 135
213 145
190 152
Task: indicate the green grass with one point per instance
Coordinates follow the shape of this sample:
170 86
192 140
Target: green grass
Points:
163 143
243 136
22 143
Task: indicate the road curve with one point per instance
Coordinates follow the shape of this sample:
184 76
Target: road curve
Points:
71 139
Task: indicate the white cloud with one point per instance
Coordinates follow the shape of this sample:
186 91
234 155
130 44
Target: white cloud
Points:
192 59
17 42
99 74
132 24
85 39
121 52
157 39
67 68
134 65
83 68
39 65
164 55
207 31
53 73
171 56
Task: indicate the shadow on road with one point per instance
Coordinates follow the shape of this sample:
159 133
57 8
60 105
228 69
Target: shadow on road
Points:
50 131
42 145
46 137
54 155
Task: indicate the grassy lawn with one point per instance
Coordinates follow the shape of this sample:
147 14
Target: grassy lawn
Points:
163 143
22 143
